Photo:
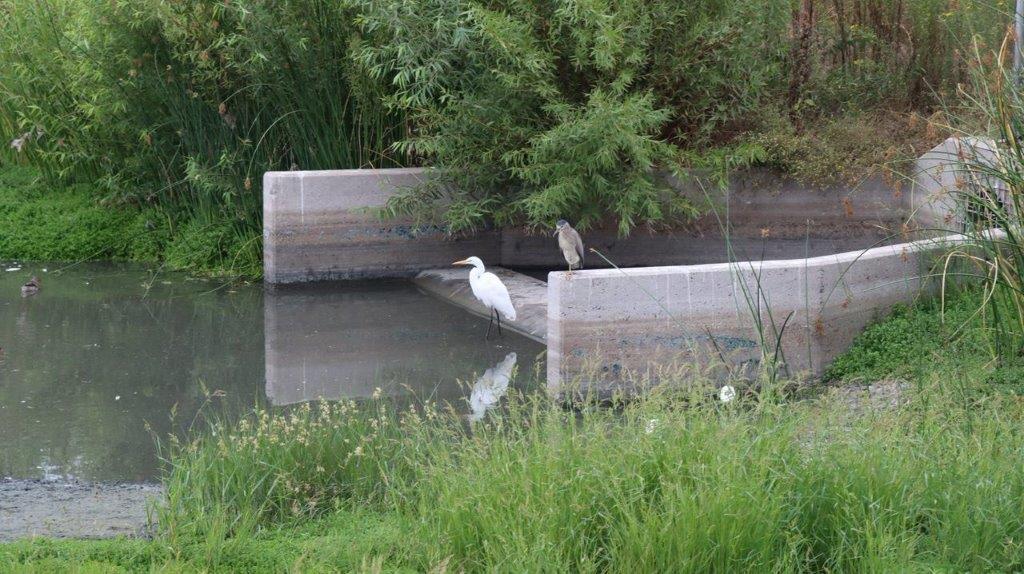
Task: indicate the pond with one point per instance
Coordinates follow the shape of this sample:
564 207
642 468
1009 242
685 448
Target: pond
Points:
108 357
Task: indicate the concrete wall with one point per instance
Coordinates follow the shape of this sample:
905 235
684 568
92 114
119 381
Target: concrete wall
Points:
619 329
613 330
941 175
317 225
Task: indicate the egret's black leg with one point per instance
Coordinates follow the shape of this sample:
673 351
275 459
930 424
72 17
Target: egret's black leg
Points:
490 317
499 321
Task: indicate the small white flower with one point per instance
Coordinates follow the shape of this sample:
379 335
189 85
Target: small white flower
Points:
727 393
651 425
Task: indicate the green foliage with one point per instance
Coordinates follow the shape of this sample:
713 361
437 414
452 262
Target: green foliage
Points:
910 341
539 110
660 484
346 541
184 105
68 224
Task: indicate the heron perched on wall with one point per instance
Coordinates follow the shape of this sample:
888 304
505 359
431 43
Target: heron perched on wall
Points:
490 291
571 245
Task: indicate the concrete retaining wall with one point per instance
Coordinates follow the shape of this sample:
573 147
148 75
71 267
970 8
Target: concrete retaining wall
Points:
622 329
614 330
806 251
317 225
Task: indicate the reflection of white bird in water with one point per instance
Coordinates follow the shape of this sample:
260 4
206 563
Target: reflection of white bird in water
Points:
490 387
490 291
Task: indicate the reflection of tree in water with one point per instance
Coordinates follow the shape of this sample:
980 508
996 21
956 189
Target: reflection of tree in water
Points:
75 347
490 387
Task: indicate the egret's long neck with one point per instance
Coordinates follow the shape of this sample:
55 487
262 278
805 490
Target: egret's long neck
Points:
476 271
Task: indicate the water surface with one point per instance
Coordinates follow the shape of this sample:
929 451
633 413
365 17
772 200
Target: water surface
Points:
107 356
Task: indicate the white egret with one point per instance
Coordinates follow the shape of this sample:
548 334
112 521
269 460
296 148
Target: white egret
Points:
490 291
571 245
490 387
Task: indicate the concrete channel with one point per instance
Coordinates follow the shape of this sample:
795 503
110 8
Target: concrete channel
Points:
823 260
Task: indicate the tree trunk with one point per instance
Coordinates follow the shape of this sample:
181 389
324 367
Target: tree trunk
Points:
803 35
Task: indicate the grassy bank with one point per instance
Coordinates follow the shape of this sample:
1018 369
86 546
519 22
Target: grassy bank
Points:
669 483
52 222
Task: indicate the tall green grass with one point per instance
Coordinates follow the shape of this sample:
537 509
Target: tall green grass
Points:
665 483
184 106
985 204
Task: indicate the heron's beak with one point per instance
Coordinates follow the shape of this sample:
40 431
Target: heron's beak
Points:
463 262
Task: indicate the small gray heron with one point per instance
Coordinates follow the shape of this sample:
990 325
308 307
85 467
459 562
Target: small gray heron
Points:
490 291
571 245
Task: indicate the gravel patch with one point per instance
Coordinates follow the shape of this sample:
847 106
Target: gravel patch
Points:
73 509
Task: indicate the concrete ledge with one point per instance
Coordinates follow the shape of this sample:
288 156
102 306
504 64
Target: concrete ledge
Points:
619 329
529 297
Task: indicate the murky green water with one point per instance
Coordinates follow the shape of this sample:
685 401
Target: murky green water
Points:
106 356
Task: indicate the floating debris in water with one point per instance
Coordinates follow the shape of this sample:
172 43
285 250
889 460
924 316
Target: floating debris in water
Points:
117 398
13 269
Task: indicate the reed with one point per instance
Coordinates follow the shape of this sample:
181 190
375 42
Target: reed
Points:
657 484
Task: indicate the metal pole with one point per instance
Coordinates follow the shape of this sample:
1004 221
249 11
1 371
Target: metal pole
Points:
1018 40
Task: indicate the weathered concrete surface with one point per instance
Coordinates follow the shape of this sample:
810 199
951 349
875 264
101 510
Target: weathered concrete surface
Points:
797 220
946 171
529 297
74 509
803 256
317 225
610 329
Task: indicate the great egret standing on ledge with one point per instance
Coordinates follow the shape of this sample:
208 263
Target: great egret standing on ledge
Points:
490 291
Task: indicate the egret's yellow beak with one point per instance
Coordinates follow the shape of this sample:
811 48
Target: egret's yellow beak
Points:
463 262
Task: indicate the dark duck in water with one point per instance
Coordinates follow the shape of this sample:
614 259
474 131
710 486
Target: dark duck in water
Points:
30 288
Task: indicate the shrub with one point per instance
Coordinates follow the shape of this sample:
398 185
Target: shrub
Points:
909 341
539 110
